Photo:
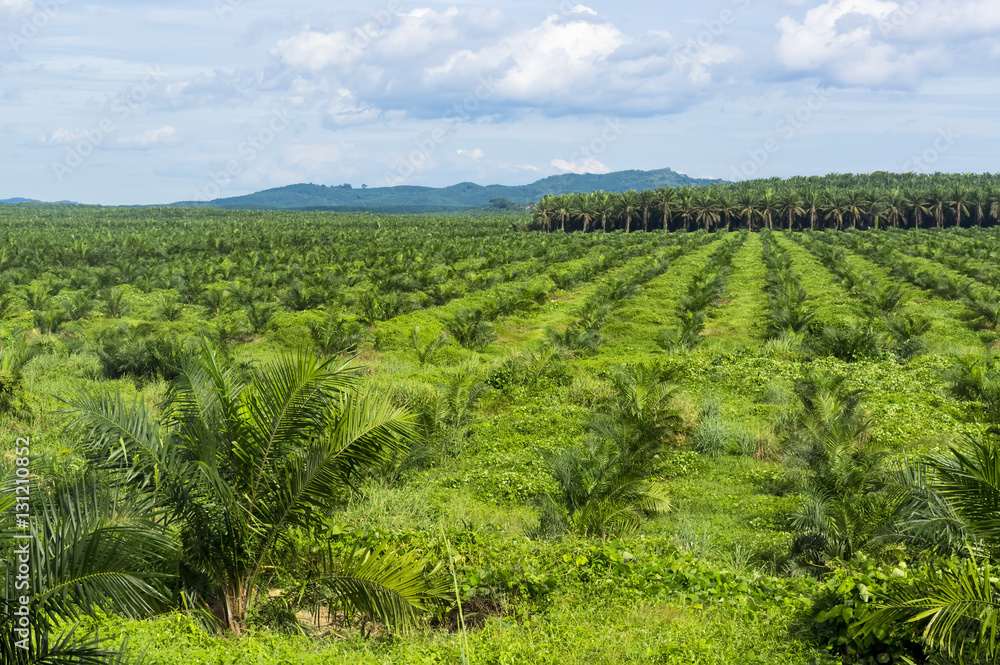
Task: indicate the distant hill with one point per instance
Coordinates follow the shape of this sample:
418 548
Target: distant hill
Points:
18 199
463 196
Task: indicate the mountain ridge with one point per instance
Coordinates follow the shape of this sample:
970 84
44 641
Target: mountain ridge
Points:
461 196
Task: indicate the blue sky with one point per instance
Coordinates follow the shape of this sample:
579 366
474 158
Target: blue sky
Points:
143 102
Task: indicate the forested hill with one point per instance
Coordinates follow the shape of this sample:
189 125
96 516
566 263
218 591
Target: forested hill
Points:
462 196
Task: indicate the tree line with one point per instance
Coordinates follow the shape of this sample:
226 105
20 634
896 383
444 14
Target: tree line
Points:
832 202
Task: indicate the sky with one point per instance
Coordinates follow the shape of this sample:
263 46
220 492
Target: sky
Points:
150 102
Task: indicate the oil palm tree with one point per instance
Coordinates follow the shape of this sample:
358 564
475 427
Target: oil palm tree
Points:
686 206
789 206
768 207
604 487
812 200
584 209
666 201
706 209
916 201
960 196
94 550
895 207
629 204
240 458
647 198
748 206
834 207
604 208
960 600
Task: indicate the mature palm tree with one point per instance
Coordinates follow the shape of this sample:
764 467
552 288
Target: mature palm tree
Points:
979 201
915 200
812 201
726 201
768 207
960 196
874 204
748 206
895 207
789 206
666 202
239 459
584 208
604 208
687 206
647 198
995 206
563 211
938 199
706 210
543 212
629 204
834 207
854 205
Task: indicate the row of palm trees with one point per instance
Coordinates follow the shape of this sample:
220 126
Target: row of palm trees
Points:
756 205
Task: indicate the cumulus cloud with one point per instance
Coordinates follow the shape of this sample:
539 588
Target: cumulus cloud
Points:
162 135
585 165
62 135
427 62
882 42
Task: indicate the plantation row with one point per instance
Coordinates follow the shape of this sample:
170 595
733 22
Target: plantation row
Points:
794 205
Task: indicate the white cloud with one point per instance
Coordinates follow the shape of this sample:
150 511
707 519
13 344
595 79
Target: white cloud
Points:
426 61
882 42
585 165
162 135
475 155
15 8
62 136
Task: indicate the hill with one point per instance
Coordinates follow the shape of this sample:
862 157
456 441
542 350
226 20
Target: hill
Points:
462 196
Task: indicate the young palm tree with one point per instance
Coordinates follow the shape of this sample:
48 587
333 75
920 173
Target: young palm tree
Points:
249 456
960 600
604 487
93 549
